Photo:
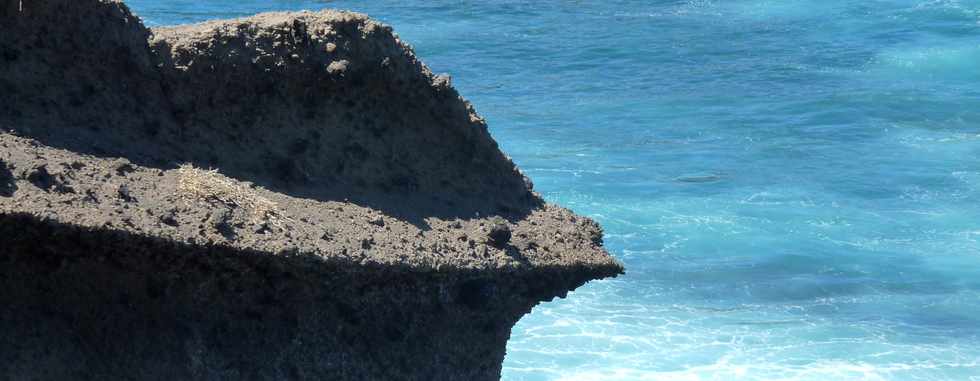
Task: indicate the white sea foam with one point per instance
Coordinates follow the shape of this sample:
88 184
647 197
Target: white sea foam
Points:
930 62
724 370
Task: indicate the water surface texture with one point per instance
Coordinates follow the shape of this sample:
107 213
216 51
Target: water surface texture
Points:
794 186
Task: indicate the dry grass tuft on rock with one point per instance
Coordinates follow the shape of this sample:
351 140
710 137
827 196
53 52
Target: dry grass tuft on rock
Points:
199 184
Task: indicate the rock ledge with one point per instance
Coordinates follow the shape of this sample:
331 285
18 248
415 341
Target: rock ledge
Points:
286 196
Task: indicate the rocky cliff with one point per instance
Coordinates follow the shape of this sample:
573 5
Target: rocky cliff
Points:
287 196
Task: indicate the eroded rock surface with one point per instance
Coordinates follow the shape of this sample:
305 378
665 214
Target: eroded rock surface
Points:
287 196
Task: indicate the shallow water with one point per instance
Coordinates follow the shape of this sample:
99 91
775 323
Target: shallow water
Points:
794 186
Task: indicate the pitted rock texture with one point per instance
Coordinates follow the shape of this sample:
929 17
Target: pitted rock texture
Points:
287 196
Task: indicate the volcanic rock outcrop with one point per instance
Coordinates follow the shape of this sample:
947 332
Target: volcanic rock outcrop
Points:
286 196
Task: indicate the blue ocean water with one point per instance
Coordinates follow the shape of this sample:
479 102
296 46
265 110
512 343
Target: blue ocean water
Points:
794 186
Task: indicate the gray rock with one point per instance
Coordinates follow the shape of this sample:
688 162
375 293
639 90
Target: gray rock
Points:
123 253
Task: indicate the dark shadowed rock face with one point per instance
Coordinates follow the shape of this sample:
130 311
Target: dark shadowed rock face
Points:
7 182
359 223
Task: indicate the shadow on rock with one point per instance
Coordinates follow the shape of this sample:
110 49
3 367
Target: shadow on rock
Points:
178 302
8 184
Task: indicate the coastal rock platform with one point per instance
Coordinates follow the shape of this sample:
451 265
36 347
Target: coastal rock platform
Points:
285 196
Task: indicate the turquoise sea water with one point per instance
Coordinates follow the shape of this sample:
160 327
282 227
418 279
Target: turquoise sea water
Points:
794 186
